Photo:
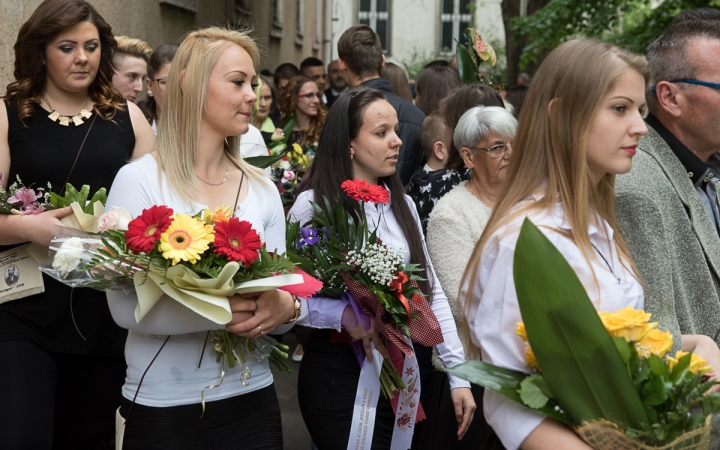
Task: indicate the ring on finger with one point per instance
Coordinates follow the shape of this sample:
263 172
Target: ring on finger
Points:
261 330
256 306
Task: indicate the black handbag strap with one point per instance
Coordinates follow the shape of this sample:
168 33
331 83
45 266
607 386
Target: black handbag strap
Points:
78 154
143 377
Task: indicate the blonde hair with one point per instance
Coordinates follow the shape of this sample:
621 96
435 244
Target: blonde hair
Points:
177 142
133 47
550 147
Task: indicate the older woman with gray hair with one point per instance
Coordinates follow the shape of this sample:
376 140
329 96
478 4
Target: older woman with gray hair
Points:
484 136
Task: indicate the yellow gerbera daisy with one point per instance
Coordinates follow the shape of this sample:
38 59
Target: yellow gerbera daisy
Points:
185 240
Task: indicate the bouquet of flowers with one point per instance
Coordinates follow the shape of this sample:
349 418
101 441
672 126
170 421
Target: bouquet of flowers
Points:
289 170
21 200
470 58
198 261
603 374
357 267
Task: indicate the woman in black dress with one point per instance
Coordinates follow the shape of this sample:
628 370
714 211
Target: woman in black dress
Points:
62 121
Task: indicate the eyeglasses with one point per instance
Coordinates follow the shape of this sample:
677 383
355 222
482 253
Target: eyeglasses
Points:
695 82
311 95
161 83
496 151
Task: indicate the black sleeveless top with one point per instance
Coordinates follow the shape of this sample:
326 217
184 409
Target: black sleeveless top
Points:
65 320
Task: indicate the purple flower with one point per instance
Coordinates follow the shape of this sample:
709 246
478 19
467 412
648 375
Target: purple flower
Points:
308 236
26 196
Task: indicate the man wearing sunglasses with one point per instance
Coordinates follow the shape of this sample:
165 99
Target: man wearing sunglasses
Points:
667 205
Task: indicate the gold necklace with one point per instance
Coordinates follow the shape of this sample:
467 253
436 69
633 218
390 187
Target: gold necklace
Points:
77 119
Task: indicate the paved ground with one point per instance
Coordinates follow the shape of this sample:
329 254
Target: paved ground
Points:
295 434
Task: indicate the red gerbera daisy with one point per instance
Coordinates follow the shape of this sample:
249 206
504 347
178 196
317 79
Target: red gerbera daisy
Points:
145 230
237 240
368 193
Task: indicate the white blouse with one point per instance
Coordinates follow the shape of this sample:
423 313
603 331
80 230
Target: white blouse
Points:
494 309
174 378
450 351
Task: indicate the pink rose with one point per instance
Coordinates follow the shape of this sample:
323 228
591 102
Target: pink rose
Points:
288 175
116 219
277 135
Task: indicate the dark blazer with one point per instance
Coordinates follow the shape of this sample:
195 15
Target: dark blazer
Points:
672 240
411 118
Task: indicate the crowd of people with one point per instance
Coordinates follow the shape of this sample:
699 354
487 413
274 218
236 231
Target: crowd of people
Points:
613 155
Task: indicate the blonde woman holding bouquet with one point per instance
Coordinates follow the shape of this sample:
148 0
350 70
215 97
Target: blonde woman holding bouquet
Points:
360 141
580 125
209 98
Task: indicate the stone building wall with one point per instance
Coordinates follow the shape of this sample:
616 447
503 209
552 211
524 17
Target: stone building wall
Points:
162 21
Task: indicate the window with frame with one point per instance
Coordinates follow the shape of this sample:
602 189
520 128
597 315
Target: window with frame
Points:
455 17
299 21
276 15
376 14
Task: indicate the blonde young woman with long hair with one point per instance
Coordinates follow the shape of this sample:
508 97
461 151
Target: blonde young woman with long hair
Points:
579 127
209 96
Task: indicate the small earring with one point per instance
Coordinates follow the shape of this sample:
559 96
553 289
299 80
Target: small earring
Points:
351 156
149 92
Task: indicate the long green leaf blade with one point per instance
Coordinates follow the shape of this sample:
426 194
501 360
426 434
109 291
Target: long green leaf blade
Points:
505 382
577 356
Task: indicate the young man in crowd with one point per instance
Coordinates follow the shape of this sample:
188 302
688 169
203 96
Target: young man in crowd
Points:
361 59
314 68
336 81
132 57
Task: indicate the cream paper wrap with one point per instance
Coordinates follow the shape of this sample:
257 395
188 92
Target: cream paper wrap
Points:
207 297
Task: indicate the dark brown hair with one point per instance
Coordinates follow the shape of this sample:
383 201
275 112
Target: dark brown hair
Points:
47 21
433 84
332 165
360 49
398 80
160 57
454 106
288 106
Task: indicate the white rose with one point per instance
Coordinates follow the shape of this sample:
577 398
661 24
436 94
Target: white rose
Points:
116 219
68 256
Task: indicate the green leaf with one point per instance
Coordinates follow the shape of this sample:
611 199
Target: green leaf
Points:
659 367
680 368
656 390
531 394
505 382
580 362
623 348
262 162
287 126
466 66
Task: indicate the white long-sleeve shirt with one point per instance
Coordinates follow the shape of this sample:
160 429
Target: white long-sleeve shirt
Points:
174 378
451 350
494 308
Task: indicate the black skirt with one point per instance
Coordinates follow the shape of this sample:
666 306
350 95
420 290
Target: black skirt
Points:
244 422
327 383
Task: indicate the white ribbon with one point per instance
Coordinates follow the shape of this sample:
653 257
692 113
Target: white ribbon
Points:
407 406
366 398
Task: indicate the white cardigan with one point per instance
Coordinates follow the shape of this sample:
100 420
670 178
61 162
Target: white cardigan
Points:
455 226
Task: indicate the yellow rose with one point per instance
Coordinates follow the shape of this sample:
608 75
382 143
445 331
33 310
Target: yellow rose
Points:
697 363
655 342
530 360
520 331
628 322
